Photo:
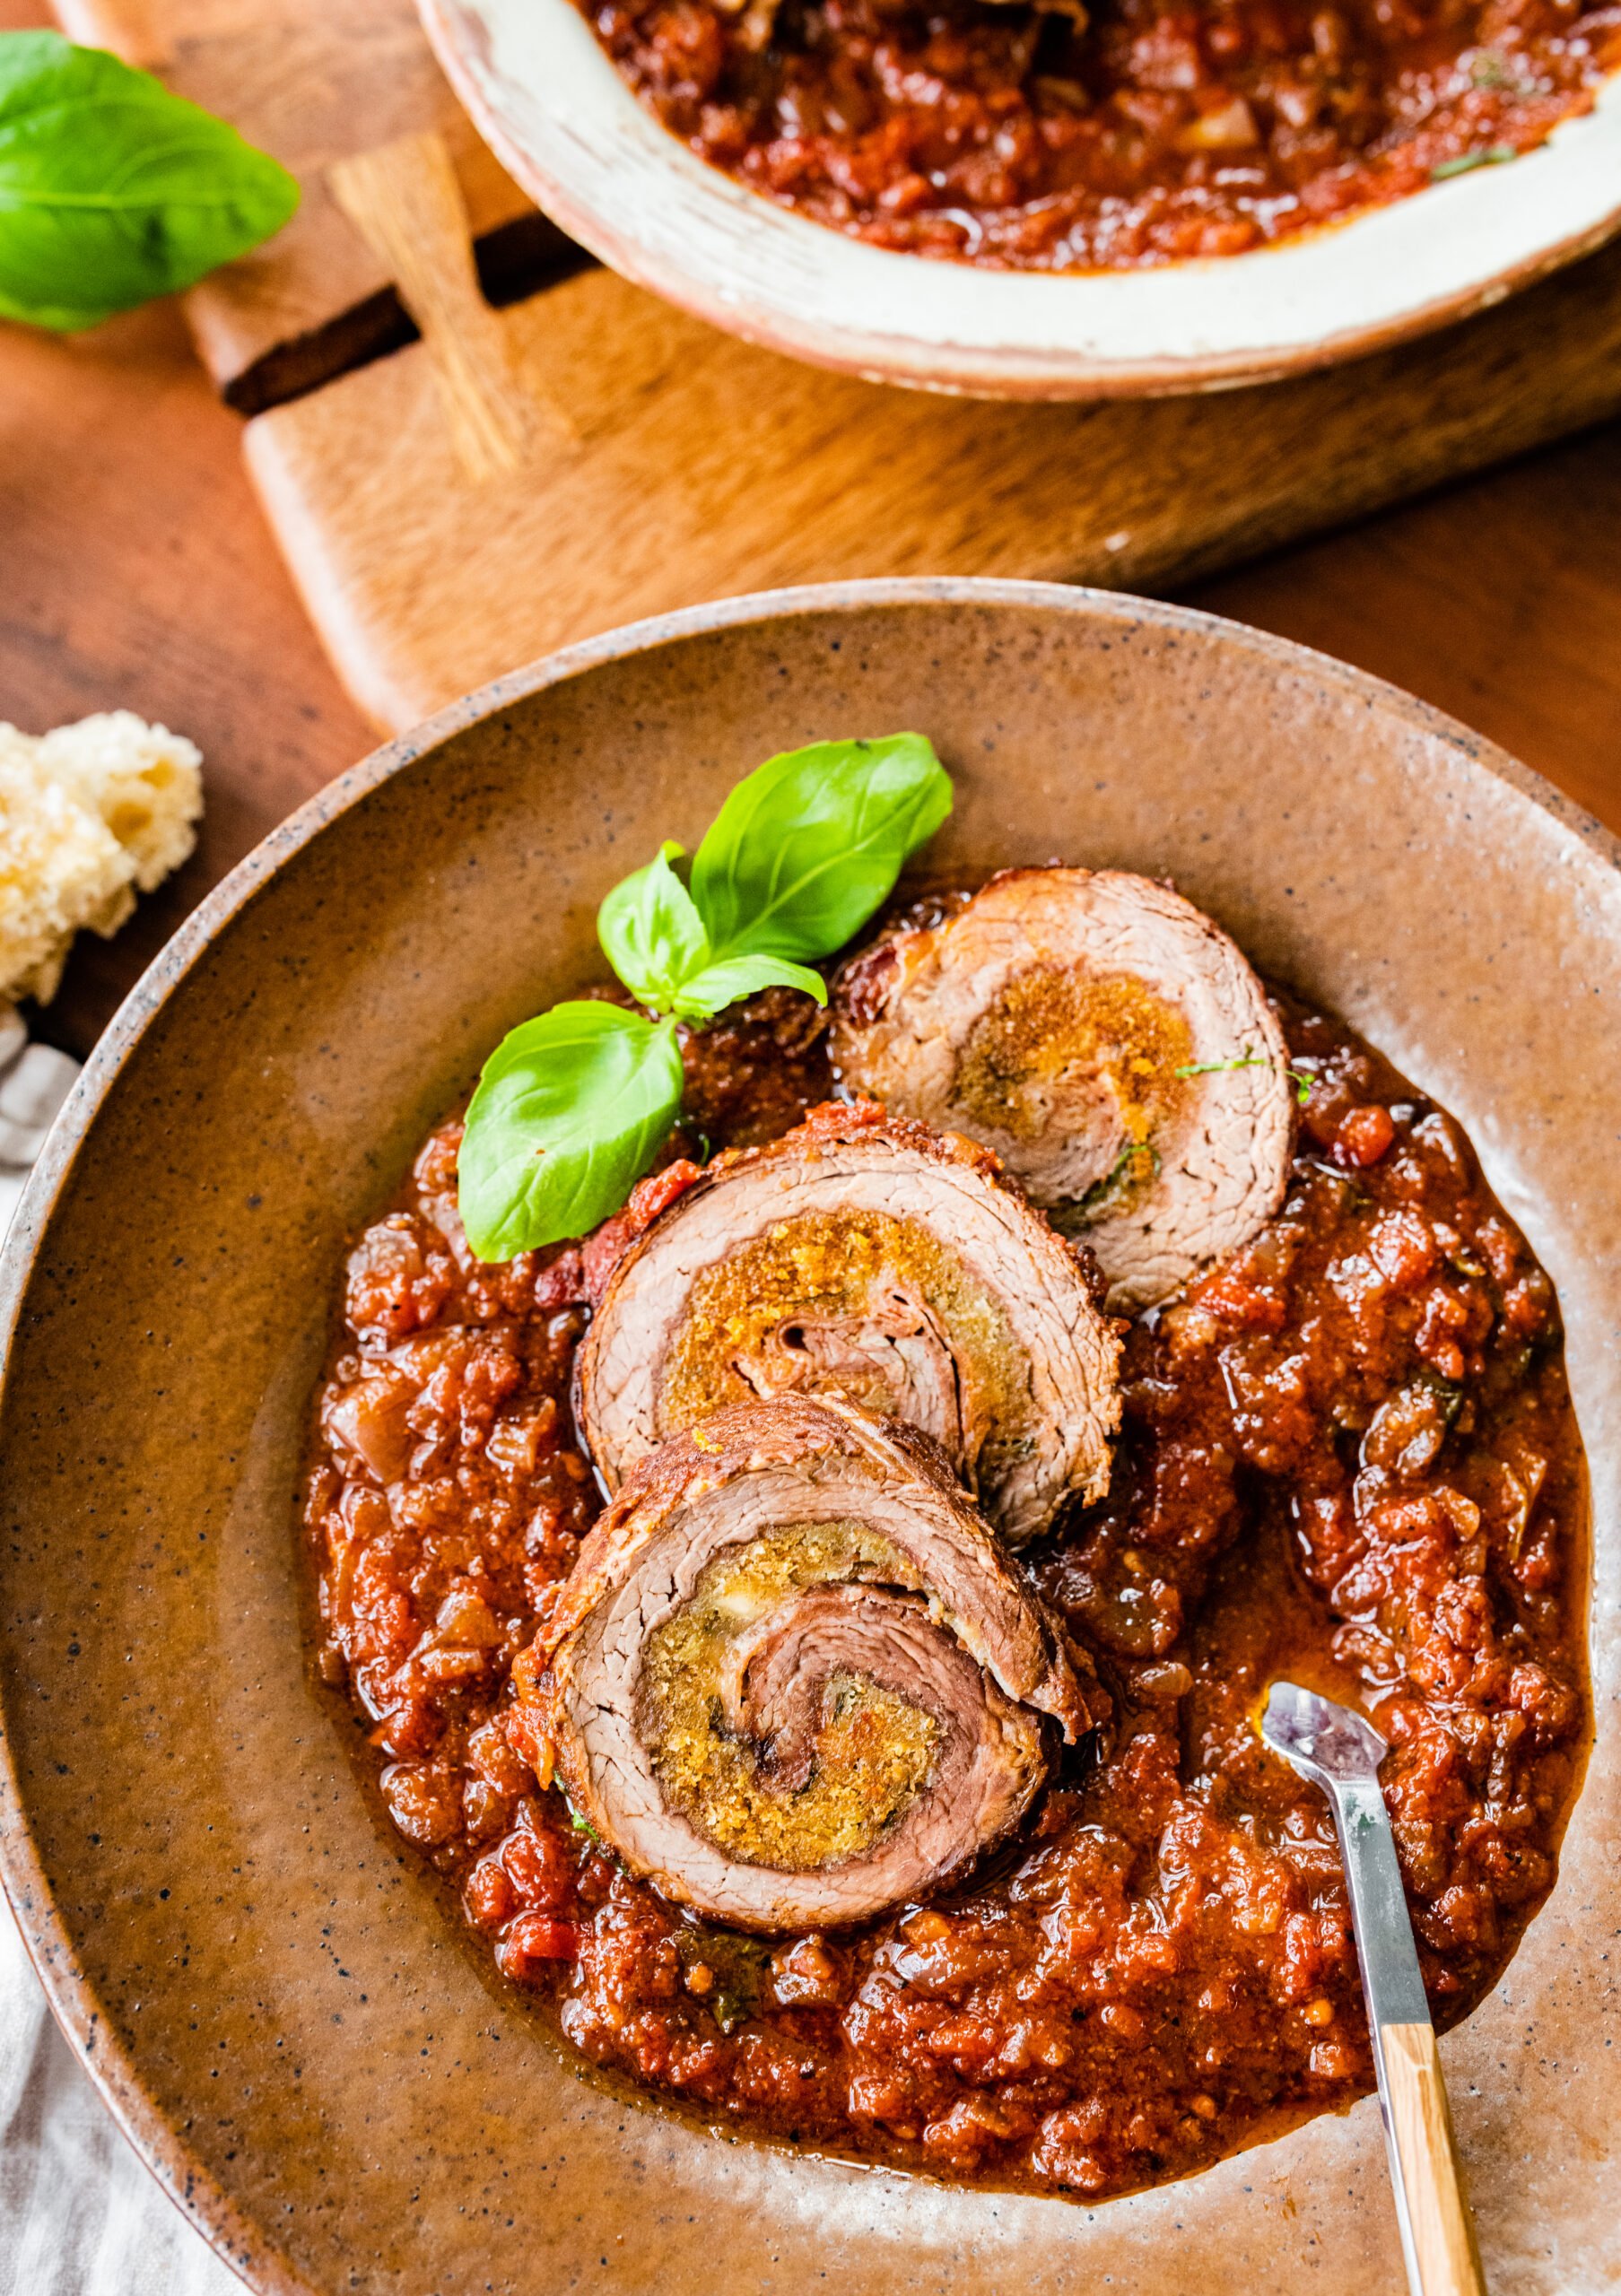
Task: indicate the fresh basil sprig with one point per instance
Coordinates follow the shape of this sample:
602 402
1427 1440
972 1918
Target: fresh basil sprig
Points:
572 1107
112 190
656 941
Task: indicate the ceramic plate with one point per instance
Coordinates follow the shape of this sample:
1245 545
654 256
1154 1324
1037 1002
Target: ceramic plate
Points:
287 2021
571 132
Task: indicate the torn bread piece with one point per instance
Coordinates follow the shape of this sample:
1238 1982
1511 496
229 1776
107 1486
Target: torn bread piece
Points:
89 814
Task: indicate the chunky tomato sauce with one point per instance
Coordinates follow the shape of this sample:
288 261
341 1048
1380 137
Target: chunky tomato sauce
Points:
1348 1454
1133 131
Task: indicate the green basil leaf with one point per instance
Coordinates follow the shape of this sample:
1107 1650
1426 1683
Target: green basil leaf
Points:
719 984
651 934
570 1111
112 190
808 845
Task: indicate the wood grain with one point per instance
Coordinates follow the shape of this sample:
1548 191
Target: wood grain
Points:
515 478
1498 600
1421 2128
405 202
315 84
138 574
701 465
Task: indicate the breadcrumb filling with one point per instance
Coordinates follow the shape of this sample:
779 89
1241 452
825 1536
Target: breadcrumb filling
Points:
1055 1032
736 1337
874 1751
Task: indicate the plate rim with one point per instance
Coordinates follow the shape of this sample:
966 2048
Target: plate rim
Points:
69 1992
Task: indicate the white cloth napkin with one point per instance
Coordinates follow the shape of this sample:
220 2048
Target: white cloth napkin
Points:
35 1079
79 2215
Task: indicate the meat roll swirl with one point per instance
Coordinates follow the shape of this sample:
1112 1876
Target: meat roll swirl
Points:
865 1258
1107 1042
794 1678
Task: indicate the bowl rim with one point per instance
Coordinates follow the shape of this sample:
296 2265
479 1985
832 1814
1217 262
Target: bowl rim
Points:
69 1992
600 164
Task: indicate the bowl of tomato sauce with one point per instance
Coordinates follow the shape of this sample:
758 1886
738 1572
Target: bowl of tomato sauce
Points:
1063 201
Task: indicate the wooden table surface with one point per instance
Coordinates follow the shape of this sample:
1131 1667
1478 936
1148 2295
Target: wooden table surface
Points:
136 572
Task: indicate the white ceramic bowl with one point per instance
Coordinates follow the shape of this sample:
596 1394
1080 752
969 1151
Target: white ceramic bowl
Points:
571 132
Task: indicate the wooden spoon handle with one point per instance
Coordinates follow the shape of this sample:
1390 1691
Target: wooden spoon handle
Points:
1421 2133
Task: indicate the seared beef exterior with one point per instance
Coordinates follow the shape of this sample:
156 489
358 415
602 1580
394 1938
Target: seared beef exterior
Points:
794 1679
864 1257
1107 1042
1348 1454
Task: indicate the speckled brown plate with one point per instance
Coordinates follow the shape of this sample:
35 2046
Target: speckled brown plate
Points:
270 1995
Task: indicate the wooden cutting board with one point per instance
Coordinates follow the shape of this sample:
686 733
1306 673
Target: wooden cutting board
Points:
475 445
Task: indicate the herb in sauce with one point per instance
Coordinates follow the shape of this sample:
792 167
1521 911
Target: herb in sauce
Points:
1297 1076
1468 162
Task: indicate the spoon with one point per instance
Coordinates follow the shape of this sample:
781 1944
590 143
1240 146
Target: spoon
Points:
1338 1750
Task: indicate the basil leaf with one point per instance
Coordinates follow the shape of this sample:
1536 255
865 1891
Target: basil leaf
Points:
111 190
651 934
722 984
807 847
570 1111
655 941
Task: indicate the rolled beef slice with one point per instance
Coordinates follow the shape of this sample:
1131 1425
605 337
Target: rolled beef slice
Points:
794 1678
867 1257
1107 1042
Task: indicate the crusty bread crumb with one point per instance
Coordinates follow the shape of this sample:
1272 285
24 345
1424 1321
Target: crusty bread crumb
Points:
87 814
142 780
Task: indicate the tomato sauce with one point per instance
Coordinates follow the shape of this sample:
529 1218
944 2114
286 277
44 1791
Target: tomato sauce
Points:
1133 131
1348 1454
